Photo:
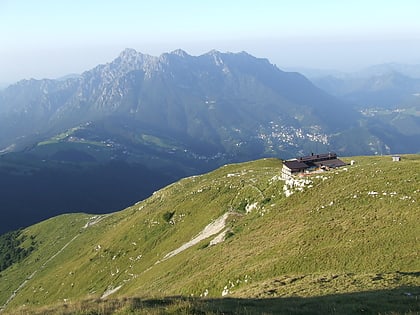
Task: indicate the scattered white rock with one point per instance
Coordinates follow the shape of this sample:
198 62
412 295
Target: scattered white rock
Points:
205 293
93 220
225 291
219 238
292 184
110 291
275 178
288 193
250 207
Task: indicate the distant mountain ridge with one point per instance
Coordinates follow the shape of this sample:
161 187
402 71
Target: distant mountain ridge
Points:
388 85
388 89
198 97
409 70
229 103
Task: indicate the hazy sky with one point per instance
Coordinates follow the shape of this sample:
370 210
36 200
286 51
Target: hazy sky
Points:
52 38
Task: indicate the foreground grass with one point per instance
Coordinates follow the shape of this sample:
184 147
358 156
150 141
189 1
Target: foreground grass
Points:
397 301
346 243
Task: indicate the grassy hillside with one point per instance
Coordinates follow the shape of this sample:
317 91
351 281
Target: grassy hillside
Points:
339 236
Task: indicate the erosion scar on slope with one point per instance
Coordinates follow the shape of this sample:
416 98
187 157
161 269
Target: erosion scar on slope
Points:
211 229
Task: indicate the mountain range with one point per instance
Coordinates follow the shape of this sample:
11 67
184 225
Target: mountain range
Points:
388 96
390 89
129 127
215 100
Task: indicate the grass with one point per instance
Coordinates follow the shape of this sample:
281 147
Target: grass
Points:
396 301
332 242
162 143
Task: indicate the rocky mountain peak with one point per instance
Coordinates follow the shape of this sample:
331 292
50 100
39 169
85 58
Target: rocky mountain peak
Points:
132 57
217 57
214 52
180 53
129 53
130 60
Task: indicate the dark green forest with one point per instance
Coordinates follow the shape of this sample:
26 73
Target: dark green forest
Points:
11 249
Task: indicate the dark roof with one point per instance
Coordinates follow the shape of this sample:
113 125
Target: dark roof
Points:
314 160
331 163
318 157
296 165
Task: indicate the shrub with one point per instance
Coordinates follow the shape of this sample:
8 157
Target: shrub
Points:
167 216
10 248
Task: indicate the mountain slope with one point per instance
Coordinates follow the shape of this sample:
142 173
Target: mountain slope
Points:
213 102
384 90
388 100
233 232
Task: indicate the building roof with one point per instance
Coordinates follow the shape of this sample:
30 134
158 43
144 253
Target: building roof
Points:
314 160
331 163
318 157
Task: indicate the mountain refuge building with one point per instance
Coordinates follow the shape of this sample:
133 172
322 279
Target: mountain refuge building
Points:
311 163
396 158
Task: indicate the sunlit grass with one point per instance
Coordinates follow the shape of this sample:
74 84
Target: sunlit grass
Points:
353 232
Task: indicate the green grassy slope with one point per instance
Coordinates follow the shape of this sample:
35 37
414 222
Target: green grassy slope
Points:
345 231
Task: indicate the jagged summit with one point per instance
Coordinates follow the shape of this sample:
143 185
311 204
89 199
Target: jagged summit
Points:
218 58
180 53
219 54
213 52
132 59
129 52
130 55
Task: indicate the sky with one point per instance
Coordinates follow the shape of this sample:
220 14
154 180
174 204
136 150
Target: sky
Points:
53 38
